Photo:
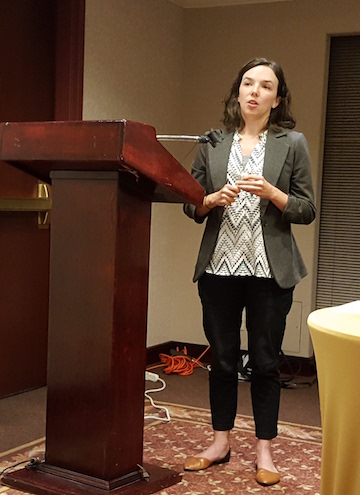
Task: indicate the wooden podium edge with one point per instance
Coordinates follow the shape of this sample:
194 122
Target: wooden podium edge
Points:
32 480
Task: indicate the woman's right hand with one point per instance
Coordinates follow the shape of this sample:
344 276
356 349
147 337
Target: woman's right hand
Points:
224 197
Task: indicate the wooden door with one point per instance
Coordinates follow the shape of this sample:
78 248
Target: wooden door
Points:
41 57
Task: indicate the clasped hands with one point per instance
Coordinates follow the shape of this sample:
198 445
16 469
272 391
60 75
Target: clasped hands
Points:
251 183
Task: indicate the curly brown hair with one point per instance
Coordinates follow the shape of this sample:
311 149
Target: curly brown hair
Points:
280 117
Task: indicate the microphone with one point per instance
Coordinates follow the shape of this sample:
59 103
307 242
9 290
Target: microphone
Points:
213 137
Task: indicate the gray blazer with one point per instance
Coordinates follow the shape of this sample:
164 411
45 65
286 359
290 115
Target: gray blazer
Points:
286 166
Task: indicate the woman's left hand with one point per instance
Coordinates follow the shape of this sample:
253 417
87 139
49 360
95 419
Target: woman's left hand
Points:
257 185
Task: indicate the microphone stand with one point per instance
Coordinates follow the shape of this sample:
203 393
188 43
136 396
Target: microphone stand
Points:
169 137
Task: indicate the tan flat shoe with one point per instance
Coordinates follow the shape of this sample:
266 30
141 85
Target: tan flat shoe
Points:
267 478
198 463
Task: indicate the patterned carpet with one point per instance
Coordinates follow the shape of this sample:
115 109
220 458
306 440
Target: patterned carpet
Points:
296 451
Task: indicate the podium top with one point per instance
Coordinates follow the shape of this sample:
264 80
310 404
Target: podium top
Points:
129 147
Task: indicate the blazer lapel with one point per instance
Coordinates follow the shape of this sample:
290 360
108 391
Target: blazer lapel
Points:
218 161
275 156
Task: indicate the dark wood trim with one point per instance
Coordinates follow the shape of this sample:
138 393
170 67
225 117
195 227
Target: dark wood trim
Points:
41 483
69 59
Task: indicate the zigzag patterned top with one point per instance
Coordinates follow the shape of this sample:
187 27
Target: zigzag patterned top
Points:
240 246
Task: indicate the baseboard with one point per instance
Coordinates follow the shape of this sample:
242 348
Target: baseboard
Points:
289 365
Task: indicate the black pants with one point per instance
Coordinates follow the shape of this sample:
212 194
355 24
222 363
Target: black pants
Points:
266 306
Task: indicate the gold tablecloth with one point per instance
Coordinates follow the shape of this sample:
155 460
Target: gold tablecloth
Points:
335 333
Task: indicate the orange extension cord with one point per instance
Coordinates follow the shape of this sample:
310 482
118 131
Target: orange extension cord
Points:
182 364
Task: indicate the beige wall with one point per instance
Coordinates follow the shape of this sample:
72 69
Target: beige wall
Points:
152 61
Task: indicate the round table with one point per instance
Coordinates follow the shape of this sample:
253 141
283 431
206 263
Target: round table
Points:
335 334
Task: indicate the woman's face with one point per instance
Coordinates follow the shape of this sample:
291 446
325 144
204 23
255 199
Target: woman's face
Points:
258 93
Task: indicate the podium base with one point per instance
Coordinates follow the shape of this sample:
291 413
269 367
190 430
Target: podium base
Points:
43 482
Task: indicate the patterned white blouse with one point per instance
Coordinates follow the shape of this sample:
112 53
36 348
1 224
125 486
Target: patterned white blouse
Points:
240 248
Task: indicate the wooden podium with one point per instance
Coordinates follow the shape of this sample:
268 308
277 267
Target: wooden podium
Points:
104 176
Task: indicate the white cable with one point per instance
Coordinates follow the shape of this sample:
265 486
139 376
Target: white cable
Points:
151 377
